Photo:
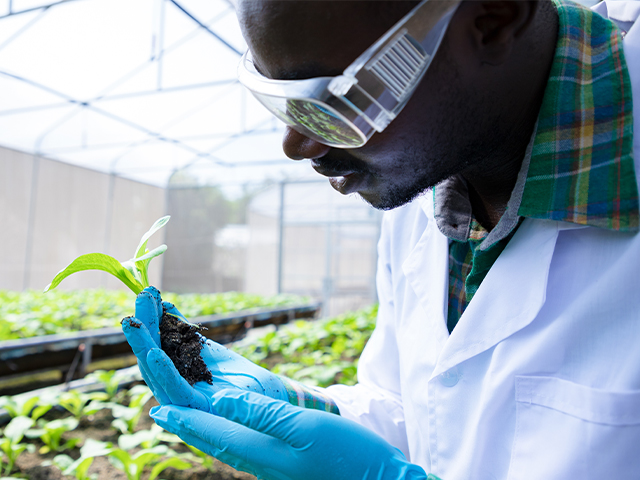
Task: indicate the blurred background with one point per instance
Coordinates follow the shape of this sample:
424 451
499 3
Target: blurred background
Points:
116 112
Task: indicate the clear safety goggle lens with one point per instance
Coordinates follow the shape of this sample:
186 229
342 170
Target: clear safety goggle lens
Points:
316 120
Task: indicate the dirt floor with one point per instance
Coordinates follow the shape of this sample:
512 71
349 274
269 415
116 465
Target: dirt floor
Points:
98 427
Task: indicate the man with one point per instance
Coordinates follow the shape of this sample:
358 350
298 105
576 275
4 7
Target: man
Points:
506 343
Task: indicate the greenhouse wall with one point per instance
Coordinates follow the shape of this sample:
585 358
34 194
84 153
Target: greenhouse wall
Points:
53 212
207 241
306 239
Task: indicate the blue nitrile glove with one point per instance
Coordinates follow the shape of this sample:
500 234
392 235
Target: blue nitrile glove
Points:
275 440
228 369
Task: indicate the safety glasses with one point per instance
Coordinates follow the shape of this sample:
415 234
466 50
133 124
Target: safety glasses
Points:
345 111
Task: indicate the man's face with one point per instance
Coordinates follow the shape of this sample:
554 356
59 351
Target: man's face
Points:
431 138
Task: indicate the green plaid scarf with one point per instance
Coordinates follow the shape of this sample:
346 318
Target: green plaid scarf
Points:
581 167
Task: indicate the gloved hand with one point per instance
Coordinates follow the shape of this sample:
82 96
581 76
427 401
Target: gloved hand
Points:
276 440
228 369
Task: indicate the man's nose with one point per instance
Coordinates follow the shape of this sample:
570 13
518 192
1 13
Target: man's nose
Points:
298 147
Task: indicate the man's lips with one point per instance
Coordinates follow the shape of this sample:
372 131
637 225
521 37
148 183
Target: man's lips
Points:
344 180
330 172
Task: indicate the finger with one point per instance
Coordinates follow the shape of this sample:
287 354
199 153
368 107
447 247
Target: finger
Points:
171 308
140 341
229 442
149 311
157 391
138 337
173 384
263 414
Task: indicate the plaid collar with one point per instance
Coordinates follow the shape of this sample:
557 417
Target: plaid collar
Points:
581 168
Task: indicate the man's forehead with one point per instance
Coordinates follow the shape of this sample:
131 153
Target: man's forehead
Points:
300 39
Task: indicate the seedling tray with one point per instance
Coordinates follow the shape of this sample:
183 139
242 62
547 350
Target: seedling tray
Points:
59 351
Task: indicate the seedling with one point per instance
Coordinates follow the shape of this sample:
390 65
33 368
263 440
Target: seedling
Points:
134 464
126 418
109 380
24 406
10 442
133 273
202 458
81 404
50 433
79 468
147 438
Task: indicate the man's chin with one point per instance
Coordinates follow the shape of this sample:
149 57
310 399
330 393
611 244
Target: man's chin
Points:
368 189
392 199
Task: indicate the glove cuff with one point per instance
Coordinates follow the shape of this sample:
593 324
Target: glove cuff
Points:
306 396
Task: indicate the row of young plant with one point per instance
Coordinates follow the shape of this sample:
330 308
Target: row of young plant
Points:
32 313
318 353
134 453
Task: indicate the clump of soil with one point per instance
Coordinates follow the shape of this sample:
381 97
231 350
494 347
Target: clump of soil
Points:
182 343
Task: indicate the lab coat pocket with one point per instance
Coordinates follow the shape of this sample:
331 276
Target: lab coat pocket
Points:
569 431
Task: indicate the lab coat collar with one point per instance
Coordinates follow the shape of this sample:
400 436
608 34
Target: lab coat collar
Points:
427 271
509 298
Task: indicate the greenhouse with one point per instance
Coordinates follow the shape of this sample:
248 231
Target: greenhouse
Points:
112 115
181 300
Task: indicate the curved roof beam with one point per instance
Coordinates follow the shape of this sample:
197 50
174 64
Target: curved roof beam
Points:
203 26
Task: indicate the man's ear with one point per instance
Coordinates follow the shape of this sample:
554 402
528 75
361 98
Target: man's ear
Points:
498 25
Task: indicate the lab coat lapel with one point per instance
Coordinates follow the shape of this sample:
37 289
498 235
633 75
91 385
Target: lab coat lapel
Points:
510 296
427 271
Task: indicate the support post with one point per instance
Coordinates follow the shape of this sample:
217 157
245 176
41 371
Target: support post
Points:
31 222
281 237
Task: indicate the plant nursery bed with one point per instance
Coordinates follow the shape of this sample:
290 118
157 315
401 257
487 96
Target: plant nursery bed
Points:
76 351
110 428
99 426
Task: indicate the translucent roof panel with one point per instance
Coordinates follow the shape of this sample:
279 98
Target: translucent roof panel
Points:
140 89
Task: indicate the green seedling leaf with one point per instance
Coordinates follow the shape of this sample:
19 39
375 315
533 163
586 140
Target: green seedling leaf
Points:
142 246
98 261
40 410
18 405
173 462
81 470
95 448
133 272
50 433
202 458
142 263
17 427
63 462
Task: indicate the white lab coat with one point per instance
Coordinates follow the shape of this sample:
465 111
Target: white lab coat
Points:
540 379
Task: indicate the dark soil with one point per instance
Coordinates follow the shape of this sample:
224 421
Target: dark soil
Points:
182 343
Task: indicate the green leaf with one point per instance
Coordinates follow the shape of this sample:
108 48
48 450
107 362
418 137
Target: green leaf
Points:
28 406
170 462
83 466
142 263
95 448
130 266
63 462
40 410
142 246
97 261
152 254
17 427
